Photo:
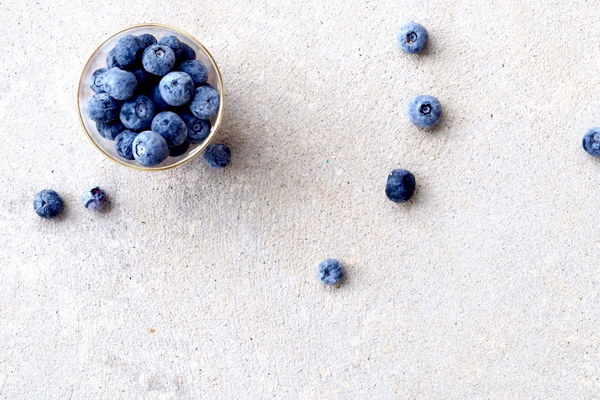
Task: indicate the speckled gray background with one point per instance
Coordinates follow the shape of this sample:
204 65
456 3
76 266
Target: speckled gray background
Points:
200 284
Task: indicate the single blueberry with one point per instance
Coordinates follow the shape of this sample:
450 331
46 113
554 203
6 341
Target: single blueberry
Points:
93 199
180 150
111 59
136 114
150 148
424 111
176 88
330 271
198 129
174 43
147 40
110 130
400 185
159 102
413 37
171 127
196 70
119 84
158 60
591 142
205 103
217 155
144 78
187 53
48 204
124 144
97 80
102 108
128 50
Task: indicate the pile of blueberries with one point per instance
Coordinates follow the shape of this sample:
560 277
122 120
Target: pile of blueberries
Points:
153 100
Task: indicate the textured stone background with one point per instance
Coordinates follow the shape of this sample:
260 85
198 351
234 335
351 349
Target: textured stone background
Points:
200 284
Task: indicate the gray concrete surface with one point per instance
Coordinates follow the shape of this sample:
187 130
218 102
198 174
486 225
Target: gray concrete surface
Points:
200 284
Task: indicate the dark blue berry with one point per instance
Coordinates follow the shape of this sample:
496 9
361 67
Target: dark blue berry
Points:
159 102
176 88
205 103
119 84
180 150
150 148
591 142
187 53
147 40
110 130
400 185
48 204
173 43
217 155
137 114
171 127
128 50
102 108
111 59
424 111
196 70
97 81
330 271
144 78
158 59
413 37
93 199
198 129
124 143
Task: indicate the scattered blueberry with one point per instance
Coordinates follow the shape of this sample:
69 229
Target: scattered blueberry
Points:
111 59
124 144
205 103
591 142
177 151
147 40
413 37
198 129
150 148
196 70
128 50
173 43
137 114
110 130
330 271
93 199
102 108
48 204
158 60
171 127
98 80
119 84
176 88
187 53
217 155
424 111
400 185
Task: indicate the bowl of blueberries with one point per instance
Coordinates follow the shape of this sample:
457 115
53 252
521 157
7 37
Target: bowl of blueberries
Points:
151 97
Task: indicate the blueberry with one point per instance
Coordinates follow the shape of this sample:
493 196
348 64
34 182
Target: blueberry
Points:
110 130
198 129
48 204
102 108
180 150
171 127
124 143
217 155
158 60
424 111
93 199
159 102
205 103
119 84
150 148
98 80
400 185
591 142
147 40
413 37
187 53
176 88
137 114
111 59
173 43
196 70
128 50
144 78
330 271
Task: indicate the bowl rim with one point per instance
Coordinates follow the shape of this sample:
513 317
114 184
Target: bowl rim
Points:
198 149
